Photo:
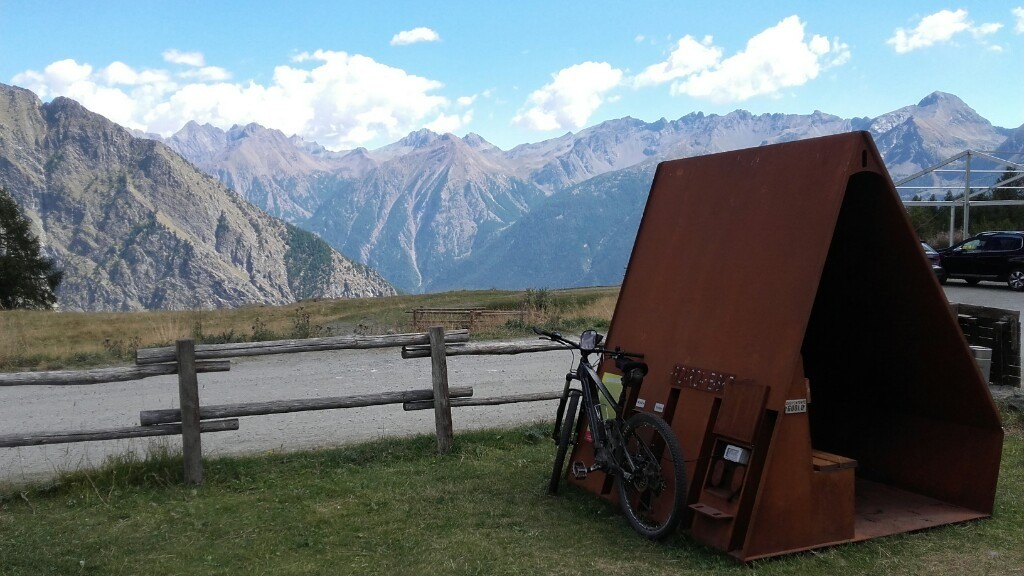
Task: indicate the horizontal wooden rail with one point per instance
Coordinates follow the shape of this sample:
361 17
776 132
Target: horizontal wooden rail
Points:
483 348
37 438
492 401
151 417
472 309
102 375
354 342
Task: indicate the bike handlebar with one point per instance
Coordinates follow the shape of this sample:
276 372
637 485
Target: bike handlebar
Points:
557 337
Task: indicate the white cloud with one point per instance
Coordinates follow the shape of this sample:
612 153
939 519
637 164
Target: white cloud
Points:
187 58
445 123
93 89
639 38
1018 13
938 28
779 57
689 57
568 101
985 29
466 101
207 74
415 35
340 100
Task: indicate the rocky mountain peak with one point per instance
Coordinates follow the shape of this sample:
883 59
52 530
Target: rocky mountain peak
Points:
198 143
413 141
419 138
940 98
253 130
478 142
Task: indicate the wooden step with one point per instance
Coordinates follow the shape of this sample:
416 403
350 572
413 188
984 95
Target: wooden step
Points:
825 462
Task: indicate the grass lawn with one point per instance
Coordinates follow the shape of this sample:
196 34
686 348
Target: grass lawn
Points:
395 507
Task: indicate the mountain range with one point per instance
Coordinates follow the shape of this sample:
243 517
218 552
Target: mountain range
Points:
135 226
437 212
199 218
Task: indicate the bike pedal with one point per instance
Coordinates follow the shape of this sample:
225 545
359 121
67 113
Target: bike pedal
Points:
579 470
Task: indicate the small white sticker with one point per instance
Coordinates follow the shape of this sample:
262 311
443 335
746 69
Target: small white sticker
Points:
640 402
736 454
796 406
659 407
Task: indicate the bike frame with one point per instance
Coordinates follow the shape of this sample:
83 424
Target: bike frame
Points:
605 433
633 464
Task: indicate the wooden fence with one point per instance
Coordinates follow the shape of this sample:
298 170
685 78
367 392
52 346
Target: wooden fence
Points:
998 330
472 319
191 419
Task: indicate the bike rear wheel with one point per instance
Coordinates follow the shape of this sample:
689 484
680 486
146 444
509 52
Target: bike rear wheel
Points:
653 498
564 439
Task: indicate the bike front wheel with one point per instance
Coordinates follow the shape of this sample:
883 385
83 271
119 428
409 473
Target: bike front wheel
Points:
653 496
564 439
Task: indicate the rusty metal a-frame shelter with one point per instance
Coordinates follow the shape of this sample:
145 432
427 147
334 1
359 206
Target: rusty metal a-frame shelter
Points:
803 351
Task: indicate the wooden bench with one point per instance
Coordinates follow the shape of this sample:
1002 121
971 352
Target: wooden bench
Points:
825 462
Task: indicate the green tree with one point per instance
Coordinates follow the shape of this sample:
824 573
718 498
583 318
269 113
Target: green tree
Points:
27 279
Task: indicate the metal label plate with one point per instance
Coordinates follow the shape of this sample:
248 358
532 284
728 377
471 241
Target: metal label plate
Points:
700 379
798 406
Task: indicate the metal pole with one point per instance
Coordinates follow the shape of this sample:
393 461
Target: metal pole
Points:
952 223
967 194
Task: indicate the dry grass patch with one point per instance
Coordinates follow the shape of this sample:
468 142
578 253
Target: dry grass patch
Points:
46 340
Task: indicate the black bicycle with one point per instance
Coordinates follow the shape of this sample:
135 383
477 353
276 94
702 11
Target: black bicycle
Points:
641 453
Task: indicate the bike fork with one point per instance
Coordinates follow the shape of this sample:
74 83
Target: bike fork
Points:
561 407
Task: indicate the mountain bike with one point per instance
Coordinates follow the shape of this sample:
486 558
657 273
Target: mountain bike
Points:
640 453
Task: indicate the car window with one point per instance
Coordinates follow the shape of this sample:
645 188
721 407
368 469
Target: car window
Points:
972 245
991 244
1009 243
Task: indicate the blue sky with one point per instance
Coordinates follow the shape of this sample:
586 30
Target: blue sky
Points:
349 74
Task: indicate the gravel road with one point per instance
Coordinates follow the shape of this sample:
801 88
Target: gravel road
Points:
308 375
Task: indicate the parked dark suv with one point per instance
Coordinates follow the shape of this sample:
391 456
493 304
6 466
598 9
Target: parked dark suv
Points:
996 256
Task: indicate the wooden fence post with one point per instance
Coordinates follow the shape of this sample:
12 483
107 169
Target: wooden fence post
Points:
442 402
188 394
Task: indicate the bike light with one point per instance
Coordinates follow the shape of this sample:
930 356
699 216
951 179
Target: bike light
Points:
736 454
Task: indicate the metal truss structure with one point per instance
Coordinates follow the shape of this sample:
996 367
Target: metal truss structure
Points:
954 175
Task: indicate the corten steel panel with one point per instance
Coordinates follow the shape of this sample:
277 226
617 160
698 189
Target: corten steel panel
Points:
794 261
742 406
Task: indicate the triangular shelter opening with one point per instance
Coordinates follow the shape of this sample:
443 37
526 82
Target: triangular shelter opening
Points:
785 309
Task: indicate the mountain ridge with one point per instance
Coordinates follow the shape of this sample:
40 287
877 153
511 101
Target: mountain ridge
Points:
331 197
428 209
135 226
